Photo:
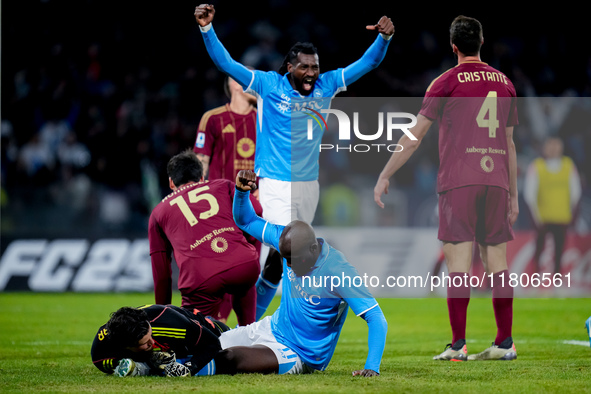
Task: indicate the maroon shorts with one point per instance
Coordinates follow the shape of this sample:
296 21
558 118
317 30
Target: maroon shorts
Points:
212 297
475 213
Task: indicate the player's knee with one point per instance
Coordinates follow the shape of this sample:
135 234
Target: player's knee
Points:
226 362
273 269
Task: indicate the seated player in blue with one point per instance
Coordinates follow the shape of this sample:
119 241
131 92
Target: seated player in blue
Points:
302 334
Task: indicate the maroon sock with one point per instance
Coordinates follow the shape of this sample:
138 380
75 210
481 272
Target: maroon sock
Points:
458 297
502 300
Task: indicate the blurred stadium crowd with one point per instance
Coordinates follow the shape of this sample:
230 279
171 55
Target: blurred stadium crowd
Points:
98 95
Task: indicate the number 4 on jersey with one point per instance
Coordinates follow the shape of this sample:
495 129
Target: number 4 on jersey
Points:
491 122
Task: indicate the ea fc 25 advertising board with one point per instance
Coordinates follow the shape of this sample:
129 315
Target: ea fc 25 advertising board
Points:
392 262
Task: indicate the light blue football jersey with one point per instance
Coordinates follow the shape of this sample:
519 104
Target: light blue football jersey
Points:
314 307
283 150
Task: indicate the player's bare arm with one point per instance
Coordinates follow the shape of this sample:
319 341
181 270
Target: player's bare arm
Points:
204 14
245 180
204 159
384 26
513 193
398 159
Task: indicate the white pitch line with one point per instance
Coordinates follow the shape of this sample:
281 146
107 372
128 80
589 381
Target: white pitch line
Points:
49 343
573 342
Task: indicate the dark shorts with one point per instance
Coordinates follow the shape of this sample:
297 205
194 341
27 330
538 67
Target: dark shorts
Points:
475 213
214 296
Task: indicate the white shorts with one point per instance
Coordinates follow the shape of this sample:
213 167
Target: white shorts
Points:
284 201
259 333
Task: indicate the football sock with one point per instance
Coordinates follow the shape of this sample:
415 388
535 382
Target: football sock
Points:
265 293
209 369
458 297
502 300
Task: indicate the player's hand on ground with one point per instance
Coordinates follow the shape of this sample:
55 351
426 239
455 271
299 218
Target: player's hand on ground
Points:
245 180
380 188
366 373
204 14
384 26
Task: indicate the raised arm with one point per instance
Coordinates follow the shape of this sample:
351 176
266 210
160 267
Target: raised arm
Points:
219 55
245 215
374 54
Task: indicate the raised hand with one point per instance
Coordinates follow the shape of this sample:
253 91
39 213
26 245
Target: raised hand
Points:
245 180
204 14
380 188
384 26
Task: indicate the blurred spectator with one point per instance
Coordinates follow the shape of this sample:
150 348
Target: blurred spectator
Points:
339 205
552 191
53 133
9 153
37 161
72 155
133 95
264 54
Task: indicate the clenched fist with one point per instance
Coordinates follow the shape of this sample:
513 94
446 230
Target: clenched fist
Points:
245 180
204 14
384 26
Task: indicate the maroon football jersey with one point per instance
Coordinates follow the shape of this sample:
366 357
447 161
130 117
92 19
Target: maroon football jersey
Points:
196 224
473 104
229 140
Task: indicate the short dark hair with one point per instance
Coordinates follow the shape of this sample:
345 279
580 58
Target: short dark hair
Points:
227 83
184 167
466 34
227 87
127 326
306 48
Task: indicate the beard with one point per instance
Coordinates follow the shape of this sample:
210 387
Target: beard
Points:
301 269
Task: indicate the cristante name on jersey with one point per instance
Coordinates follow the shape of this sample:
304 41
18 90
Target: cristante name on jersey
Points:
482 76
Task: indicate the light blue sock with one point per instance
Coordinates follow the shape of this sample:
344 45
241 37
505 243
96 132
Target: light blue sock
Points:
209 369
588 325
265 293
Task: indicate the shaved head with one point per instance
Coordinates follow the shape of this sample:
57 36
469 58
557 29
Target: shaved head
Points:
299 246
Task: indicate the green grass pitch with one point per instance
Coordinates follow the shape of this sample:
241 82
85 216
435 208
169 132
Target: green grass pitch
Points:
45 346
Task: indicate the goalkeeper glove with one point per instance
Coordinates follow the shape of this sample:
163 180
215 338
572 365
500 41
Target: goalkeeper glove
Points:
159 360
128 367
166 362
174 370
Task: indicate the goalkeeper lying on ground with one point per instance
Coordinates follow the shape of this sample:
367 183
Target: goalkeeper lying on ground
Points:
147 340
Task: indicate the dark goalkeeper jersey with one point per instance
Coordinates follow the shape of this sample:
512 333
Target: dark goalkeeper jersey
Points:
173 328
